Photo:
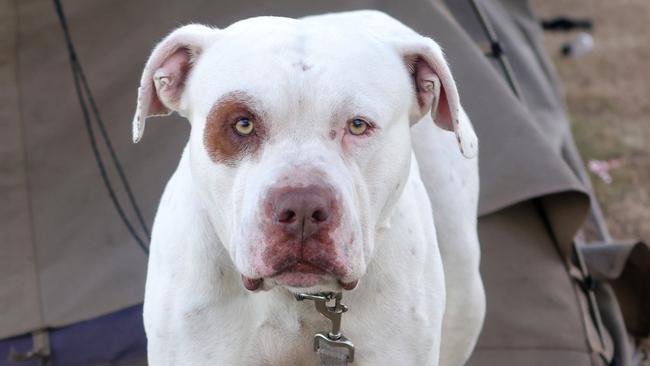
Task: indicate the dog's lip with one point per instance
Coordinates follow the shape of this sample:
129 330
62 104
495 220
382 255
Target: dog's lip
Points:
302 266
310 271
348 286
251 284
314 269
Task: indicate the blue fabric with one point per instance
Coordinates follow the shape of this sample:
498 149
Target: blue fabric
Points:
21 344
111 339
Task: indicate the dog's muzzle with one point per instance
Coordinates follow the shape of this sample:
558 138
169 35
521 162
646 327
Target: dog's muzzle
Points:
299 226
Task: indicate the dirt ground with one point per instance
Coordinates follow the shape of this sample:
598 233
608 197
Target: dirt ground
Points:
608 96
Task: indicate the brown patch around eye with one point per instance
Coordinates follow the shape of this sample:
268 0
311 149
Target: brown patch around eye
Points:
223 144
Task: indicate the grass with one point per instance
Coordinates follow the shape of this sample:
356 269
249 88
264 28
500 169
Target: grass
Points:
608 97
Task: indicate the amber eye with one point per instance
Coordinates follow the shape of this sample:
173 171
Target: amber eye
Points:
244 127
358 126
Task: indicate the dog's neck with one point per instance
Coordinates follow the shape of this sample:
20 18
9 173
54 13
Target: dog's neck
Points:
194 288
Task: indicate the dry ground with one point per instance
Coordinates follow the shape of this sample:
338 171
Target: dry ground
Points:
608 96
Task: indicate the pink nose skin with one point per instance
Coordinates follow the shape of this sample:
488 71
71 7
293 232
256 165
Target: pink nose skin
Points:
301 212
299 226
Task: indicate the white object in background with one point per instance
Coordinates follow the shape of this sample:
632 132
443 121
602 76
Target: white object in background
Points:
582 45
602 167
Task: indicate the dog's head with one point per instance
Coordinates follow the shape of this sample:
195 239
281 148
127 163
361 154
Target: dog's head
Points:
300 144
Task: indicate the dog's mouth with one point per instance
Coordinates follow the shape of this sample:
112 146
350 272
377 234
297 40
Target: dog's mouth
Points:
299 274
302 266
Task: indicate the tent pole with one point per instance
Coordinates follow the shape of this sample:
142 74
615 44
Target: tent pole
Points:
85 96
496 50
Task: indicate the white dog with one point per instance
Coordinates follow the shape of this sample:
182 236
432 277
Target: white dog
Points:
300 175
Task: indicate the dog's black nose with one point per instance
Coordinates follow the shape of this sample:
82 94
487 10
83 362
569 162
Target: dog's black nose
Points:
302 211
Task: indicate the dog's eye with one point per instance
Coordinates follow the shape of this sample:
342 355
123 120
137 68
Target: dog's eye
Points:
358 126
244 127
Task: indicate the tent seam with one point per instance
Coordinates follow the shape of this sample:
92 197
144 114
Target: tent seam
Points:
533 348
30 211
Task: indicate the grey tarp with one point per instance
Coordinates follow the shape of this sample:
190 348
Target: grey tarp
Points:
66 257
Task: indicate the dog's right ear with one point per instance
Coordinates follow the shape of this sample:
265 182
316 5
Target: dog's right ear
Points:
163 78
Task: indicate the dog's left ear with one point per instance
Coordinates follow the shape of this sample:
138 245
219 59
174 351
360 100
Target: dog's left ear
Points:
164 76
434 86
436 90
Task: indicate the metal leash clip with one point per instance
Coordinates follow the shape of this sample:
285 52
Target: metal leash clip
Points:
333 338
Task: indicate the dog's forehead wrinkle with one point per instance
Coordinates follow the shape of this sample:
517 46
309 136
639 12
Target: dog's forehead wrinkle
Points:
301 63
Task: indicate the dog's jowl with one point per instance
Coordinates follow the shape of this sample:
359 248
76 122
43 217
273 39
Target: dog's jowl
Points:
321 149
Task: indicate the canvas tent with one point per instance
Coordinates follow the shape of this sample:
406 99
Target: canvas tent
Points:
71 276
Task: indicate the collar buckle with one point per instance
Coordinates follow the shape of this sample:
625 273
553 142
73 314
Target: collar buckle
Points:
333 341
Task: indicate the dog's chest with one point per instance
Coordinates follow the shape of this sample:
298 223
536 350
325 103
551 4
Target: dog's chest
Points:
242 334
239 336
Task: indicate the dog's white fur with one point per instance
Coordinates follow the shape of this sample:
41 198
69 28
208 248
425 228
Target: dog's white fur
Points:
406 307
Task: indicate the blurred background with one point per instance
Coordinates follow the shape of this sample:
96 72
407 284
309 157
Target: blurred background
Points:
608 96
